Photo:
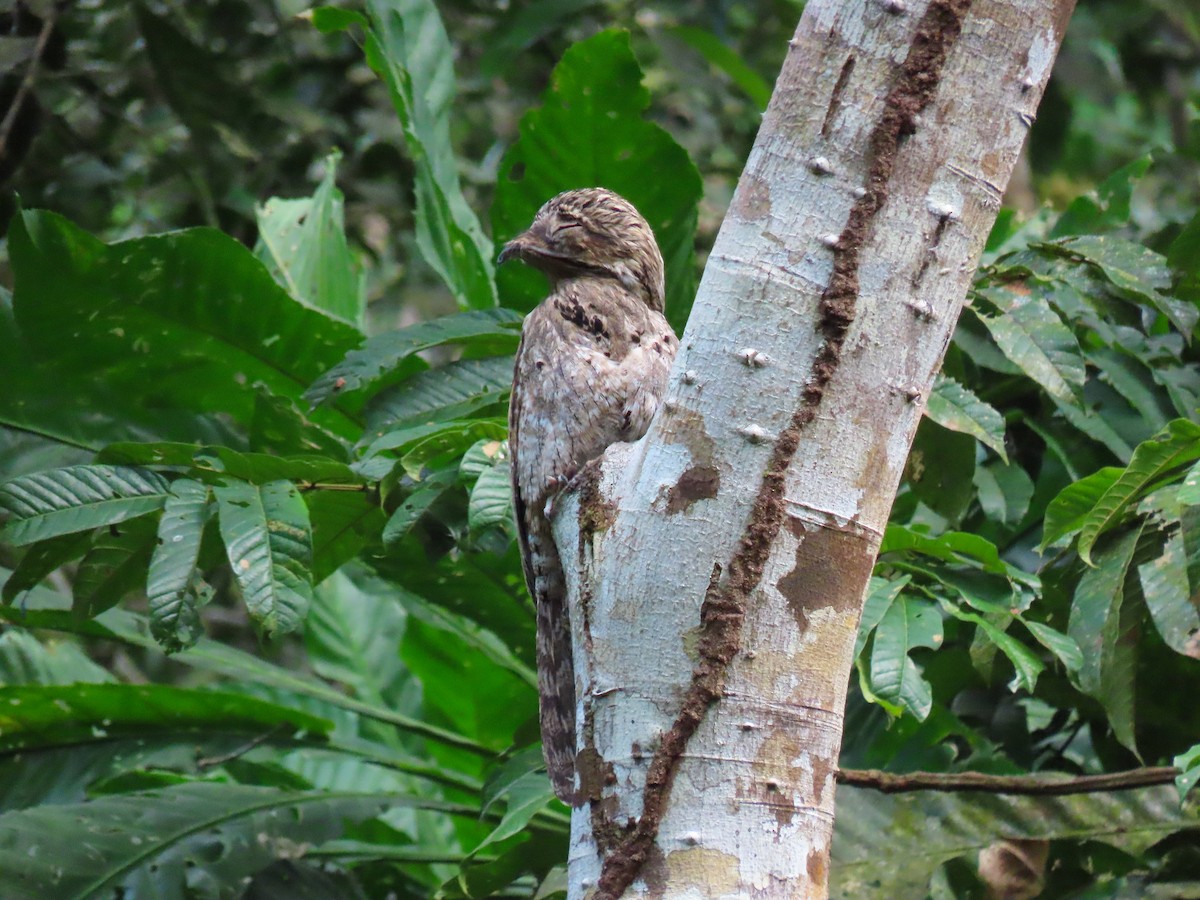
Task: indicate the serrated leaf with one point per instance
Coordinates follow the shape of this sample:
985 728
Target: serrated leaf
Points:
113 567
155 843
1176 445
407 46
955 407
1029 333
363 369
907 625
269 542
173 586
491 498
1066 512
77 498
303 244
1102 624
416 504
590 132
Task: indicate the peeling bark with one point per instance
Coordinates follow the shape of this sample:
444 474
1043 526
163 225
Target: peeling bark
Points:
722 560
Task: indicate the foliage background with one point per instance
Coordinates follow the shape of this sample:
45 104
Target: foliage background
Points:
348 707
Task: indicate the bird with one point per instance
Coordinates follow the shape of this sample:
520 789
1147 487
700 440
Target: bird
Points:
590 371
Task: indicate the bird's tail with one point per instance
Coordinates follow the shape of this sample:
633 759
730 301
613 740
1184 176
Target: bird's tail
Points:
556 670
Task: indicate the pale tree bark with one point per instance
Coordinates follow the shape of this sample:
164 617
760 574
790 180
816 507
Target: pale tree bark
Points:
721 561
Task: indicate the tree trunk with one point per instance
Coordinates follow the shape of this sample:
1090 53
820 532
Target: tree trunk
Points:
721 561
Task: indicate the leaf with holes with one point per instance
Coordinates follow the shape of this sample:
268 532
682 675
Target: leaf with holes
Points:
269 542
77 498
174 589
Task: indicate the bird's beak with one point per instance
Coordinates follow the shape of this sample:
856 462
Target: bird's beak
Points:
516 248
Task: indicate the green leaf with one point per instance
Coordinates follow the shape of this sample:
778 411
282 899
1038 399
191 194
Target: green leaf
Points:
881 594
1189 489
174 588
907 625
77 498
213 464
1004 491
303 244
1029 333
330 19
887 846
524 25
43 558
1103 624
424 495
24 660
343 522
728 61
1066 513
113 567
954 407
590 132
380 356
407 46
353 636
1176 445
457 390
940 470
491 498
1057 643
1028 667
1167 581
187 320
269 542
1108 208
1135 272
950 546
1189 765
155 843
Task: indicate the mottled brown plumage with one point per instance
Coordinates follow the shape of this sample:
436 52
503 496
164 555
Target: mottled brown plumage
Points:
590 372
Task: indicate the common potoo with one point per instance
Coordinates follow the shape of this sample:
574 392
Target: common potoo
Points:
590 371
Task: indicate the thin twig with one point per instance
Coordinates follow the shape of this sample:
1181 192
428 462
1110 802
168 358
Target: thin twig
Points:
979 782
43 40
206 762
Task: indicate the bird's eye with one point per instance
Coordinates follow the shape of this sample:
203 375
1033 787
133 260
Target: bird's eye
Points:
563 226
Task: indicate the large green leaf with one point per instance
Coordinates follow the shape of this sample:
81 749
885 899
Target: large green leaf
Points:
269 542
1176 445
1103 623
955 407
213 464
77 498
174 588
156 843
407 46
886 846
908 624
1032 336
454 391
186 320
590 132
368 368
303 243
25 660
426 493
1066 513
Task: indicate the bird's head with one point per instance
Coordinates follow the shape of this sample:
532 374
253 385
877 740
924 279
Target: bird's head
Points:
593 232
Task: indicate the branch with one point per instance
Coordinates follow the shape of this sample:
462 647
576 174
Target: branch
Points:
39 49
981 783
